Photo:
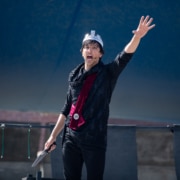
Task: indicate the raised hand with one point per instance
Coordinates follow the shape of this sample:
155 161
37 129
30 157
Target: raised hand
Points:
144 26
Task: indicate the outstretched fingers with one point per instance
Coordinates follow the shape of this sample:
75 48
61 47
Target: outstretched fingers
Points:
152 26
141 20
147 22
144 26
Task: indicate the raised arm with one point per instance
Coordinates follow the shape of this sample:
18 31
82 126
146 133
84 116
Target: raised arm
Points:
142 29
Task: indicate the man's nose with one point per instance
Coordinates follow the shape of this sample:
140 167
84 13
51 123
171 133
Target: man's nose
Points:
89 49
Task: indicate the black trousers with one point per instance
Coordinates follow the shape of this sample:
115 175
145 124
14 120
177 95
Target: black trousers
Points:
76 153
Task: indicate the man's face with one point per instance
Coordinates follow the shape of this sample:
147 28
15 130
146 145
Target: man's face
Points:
91 54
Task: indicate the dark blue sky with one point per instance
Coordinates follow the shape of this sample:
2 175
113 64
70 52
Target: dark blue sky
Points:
40 42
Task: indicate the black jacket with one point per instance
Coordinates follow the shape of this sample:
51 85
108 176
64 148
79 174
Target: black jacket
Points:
96 108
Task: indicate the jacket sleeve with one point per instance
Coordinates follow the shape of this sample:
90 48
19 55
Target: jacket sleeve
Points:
119 63
67 105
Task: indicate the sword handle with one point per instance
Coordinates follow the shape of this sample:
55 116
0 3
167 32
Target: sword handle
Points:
47 150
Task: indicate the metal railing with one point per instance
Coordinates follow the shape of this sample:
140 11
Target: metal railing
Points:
29 126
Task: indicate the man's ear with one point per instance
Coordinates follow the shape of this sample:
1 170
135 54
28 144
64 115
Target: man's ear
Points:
101 55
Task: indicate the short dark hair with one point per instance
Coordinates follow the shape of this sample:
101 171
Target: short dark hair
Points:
92 42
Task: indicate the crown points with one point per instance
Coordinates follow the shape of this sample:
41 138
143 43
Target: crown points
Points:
94 37
92 32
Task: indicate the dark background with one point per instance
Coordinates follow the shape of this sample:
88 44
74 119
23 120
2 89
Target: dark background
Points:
40 42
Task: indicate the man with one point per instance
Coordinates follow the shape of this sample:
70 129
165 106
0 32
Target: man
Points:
86 110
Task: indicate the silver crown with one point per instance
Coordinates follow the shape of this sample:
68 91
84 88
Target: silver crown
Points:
94 37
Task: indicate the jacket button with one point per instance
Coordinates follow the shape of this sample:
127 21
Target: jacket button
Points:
76 116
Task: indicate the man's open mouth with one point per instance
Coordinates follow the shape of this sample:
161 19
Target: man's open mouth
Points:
89 57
